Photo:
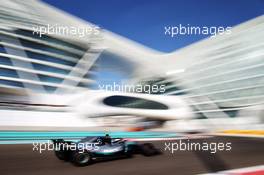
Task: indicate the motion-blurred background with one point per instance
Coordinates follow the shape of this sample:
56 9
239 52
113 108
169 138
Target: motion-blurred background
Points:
53 80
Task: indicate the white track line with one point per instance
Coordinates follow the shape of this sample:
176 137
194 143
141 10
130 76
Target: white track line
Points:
259 170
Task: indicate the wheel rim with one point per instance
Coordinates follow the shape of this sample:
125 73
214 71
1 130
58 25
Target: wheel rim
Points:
83 158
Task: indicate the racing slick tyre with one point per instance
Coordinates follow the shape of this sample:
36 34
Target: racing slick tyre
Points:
148 149
128 154
129 151
60 149
61 155
81 159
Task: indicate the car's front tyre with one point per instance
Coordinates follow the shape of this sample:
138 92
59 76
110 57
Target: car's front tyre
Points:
148 149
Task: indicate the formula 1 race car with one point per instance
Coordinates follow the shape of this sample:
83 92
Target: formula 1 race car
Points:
90 149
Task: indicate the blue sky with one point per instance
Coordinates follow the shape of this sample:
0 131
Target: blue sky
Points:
144 20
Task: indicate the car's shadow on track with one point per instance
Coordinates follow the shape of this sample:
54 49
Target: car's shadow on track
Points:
111 159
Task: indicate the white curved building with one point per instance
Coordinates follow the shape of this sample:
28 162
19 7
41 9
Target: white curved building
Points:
52 80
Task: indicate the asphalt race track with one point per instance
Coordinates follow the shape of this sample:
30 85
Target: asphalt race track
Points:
20 159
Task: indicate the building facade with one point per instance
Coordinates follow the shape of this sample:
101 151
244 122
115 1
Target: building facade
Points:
46 66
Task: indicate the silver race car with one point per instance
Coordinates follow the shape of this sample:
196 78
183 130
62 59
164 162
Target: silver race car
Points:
91 149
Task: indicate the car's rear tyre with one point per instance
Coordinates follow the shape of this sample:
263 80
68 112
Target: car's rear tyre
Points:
82 159
61 151
62 155
148 149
